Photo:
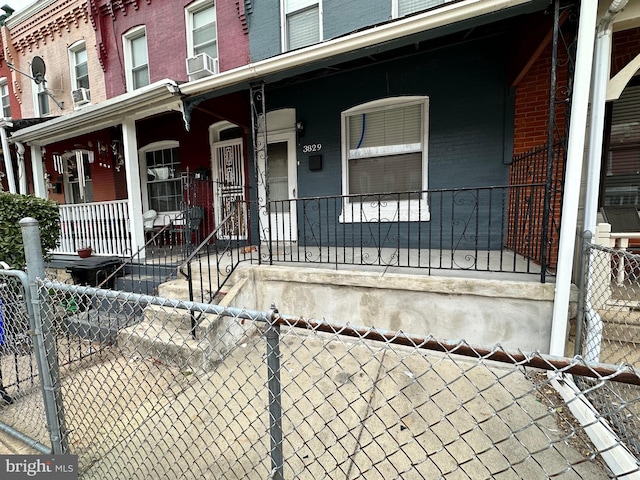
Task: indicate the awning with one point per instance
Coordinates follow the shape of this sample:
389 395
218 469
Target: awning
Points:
158 97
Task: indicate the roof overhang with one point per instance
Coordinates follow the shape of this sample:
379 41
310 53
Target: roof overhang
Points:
357 44
156 98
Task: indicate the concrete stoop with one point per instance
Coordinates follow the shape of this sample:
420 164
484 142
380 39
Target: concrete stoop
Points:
164 334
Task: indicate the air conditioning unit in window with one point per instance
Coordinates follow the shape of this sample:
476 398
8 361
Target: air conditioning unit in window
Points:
81 96
200 66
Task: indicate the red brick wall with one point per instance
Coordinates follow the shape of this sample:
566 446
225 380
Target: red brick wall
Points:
166 39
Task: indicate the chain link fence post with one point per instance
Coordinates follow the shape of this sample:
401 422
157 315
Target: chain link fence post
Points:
45 346
275 400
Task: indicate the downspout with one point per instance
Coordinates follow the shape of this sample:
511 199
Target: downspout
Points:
575 153
601 73
8 165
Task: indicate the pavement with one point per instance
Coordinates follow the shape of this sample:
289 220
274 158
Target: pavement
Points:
351 409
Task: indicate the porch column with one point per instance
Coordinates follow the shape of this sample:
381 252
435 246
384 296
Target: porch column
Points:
39 185
575 154
8 165
132 173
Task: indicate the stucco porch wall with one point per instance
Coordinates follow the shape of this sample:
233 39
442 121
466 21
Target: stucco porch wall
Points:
515 314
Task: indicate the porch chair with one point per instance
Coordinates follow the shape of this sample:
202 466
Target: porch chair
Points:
148 219
187 225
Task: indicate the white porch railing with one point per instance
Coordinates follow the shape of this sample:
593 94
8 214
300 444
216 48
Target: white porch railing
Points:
102 225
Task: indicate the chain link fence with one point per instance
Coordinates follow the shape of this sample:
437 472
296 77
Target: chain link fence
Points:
246 394
609 331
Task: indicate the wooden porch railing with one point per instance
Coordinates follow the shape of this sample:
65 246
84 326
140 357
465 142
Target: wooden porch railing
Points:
102 225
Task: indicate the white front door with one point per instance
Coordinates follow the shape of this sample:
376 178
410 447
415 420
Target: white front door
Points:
228 171
281 171
282 175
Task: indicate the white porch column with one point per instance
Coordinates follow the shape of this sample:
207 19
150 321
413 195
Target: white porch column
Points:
132 173
39 185
6 153
575 154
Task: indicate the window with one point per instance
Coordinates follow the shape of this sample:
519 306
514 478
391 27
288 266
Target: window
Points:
384 150
4 95
162 161
42 99
302 23
136 58
400 8
79 66
622 169
78 183
201 23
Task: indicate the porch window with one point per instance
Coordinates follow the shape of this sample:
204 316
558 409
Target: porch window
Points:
136 58
79 66
163 179
78 183
301 23
201 25
400 8
385 151
4 95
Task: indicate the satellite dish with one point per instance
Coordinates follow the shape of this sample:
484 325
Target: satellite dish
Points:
38 69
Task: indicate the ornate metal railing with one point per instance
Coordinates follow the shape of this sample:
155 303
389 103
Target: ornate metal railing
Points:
447 229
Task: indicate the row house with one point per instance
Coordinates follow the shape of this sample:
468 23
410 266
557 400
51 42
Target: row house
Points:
354 132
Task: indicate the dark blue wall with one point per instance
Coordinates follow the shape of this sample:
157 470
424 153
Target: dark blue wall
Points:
468 95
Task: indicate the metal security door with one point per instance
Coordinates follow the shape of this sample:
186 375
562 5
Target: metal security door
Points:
229 176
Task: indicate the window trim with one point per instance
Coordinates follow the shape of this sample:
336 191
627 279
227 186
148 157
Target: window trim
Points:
142 159
72 50
410 210
189 11
5 83
283 23
127 39
38 90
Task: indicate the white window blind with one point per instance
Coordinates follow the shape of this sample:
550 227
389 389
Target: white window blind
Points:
385 150
139 61
303 28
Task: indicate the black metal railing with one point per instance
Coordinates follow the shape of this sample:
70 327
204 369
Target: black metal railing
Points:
446 229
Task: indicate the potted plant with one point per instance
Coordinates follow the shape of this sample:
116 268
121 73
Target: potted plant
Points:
84 252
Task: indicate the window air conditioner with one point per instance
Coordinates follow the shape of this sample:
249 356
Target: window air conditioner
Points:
81 96
200 66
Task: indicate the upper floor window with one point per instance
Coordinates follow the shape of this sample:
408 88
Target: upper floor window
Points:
201 25
4 95
79 65
301 23
405 7
41 99
136 58
384 150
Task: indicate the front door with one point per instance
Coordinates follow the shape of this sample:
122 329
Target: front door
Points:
228 168
281 172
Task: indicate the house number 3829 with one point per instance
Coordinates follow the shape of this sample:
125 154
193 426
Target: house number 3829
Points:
312 147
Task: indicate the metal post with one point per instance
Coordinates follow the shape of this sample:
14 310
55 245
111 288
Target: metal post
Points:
275 401
44 340
546 213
